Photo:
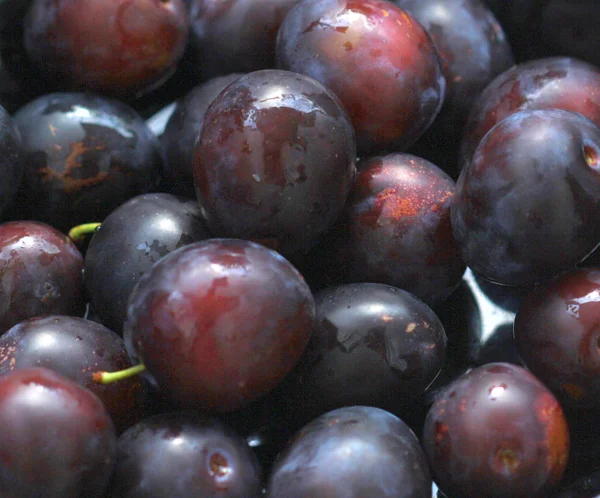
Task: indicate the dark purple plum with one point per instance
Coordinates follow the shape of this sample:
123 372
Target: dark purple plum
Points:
219 323
182 132
549 83
395 230
130 240
11 159
275 160
352 452
76 348
184 455
57 439
527 207
84 156
235 36
557 331
40 273
474 50
376 58
117 47
498 432
372 345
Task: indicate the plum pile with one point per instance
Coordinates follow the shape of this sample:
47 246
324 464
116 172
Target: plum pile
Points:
299 248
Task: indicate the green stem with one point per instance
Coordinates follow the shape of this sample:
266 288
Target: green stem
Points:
78 234
110 377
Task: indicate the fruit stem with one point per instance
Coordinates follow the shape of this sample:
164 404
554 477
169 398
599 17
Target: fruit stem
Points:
110 377
77 234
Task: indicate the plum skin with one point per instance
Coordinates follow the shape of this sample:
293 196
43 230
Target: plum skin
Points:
219 323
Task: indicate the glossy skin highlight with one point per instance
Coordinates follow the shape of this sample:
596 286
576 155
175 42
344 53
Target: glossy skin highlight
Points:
76 348
130 240
496 431
275 160
219 323
376 58
40 273
352 452
84 156
396 230
527 206
549 83
185 455
557 331
115 47
57 440
372 345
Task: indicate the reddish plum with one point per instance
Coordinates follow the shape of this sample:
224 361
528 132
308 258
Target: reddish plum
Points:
219 323
497 432
40 273
275 160
557 330
550 83
117 47
376 58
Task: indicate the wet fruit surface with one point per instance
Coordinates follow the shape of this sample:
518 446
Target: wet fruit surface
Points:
496 431
275 160
40 273
220 323
84 156
557 330
376 58
373 345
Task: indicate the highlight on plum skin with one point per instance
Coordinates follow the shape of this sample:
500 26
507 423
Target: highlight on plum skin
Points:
557 332
274 161
376 58
496 431
219 323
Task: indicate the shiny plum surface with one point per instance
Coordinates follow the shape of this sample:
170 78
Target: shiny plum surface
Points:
184 455
527 207
376 58
496 431
76 348
395 230
557 331
130 240
352 452
219 323
549 83
373 345
116 47
40 273
84 154
275 160
57 440
183 129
